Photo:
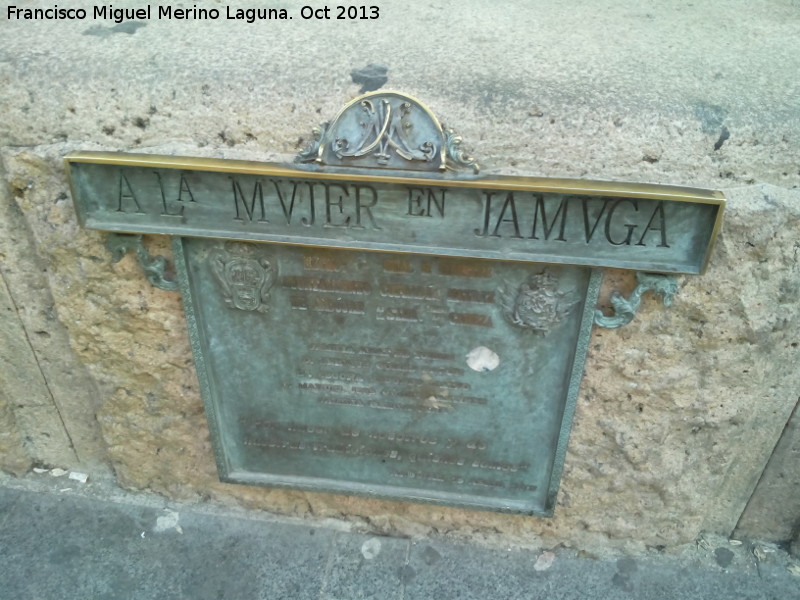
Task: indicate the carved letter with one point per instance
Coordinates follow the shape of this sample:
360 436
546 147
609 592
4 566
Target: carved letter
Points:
165 212
513 220
249 210
590 232
439 205
311 209
415 208
629 226
184 187
659 209
548 229
365 207
339 203
287 211
487 211
415 203
125 195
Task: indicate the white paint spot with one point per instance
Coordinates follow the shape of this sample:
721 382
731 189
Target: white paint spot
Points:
76 476
371 548
435 403
482 359
167 521
544 562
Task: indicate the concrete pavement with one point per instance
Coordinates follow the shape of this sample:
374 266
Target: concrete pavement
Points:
58 542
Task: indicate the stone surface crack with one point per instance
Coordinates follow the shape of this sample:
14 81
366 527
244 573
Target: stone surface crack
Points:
766 465
328 565
39 368
407 563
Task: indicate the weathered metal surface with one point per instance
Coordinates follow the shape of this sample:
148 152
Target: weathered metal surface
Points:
387 375
634 226
154 267
387 130
664 286
406 332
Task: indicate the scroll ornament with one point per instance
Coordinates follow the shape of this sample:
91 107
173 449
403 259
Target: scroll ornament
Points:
665 286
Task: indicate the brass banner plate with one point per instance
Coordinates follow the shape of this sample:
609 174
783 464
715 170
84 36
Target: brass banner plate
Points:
423 378
644 227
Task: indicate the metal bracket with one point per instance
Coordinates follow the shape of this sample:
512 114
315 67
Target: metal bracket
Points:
666 286
119 244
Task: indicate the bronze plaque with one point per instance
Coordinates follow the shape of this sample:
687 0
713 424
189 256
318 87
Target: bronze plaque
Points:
371 321
424 378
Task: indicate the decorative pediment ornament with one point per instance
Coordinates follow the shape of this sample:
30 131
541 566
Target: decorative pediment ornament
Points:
387 130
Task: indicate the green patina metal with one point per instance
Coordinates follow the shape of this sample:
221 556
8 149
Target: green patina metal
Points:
651 229
386 375
625 309
154 267
371 321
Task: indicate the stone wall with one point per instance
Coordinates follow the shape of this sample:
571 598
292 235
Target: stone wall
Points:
679 411
773 510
